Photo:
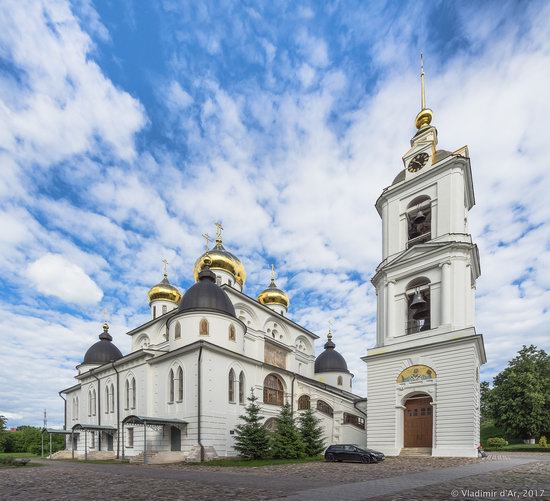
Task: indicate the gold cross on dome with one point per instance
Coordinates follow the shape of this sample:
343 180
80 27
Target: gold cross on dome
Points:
329 329
219 229
273 272
105 315
207 239
165 261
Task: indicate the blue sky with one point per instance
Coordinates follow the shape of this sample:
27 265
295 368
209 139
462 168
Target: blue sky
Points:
128 128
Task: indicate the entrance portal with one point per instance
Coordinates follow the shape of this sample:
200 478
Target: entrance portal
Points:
175 439
109 442
418 422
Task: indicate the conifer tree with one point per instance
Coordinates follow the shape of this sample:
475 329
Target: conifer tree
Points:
252 440
312 433
286 441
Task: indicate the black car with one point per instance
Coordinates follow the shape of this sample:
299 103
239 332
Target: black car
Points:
351 452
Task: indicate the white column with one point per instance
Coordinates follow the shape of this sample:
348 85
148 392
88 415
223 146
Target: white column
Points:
390 309
445 293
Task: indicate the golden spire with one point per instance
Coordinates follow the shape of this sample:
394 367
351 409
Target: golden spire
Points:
219 229
424 118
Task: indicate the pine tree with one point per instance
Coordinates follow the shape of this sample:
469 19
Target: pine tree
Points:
312 433
252 440
286 441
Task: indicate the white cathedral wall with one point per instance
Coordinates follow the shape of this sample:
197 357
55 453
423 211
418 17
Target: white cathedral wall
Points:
455 395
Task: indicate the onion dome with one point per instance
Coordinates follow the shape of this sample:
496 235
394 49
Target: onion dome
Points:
221 259
330 360
104 350
206 295
273 295
164 291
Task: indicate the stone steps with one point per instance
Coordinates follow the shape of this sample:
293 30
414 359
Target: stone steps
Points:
416 452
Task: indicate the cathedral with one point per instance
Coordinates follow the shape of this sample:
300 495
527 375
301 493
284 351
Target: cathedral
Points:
180 391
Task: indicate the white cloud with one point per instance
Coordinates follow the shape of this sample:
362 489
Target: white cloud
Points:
54 275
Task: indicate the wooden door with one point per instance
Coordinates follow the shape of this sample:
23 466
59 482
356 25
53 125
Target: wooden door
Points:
418 422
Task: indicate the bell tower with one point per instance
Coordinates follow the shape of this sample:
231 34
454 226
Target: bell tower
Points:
423 372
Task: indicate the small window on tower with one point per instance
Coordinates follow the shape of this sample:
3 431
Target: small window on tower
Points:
218 280
230 283
203 327
419 221
164 309
154 312
232 334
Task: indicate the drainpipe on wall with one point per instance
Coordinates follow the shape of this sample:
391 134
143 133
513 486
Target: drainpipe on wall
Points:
199 404
292 395
64 418
98 410
117 413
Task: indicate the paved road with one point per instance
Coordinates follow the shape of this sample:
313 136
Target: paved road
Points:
427 478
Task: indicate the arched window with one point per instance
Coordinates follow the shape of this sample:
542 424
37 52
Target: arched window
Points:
304 403
164 309
107 399
418 305
232 334
89 402
323 407
127 394
340 381
133 385
231 386
273 390
154 312
178 331
180 384
171 386
271 424
112 398
419 221
203 327
94 402
241 387
76 413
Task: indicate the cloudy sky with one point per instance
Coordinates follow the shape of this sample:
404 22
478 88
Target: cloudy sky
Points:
127 128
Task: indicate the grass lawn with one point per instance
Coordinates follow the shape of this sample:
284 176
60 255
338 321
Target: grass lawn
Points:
519 448
489 430
17 455
257 462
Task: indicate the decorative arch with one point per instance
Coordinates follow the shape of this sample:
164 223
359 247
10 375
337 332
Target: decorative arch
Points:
271 424
304 403
274 390
325 408
247 315
303 345
144 341
276 330
416 373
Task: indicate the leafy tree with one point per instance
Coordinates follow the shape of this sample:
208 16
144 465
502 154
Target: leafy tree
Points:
4 436
286 440
252 440
485 401
311 433
3 422
520 398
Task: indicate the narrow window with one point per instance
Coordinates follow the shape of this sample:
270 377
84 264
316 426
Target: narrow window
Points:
203 327
130 437
154 312
418 306
112 399
340 381
92 437
133 393
180 384
231 387
232 334
171 386
127 387
304 403
107 400
164 309
241 387
76 407
93 402
90 403
419 221
178 331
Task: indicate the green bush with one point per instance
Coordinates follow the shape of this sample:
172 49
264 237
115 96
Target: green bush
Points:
496 442
7 461
543 442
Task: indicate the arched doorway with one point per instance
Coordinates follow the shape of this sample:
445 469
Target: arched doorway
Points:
175 439
418 422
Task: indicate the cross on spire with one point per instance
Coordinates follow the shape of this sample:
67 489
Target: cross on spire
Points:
329 335
105 318
207 239
219 229
165 262
422 86
273 273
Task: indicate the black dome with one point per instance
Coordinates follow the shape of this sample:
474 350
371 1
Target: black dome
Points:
206 295
330 360
103 351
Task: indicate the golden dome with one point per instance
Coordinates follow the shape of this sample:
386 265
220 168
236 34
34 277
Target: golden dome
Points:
164 291
274 295
424 118
221 260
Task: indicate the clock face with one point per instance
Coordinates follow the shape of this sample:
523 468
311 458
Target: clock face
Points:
418 162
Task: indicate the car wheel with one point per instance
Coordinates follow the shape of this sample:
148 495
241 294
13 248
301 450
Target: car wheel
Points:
330 457
366 459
